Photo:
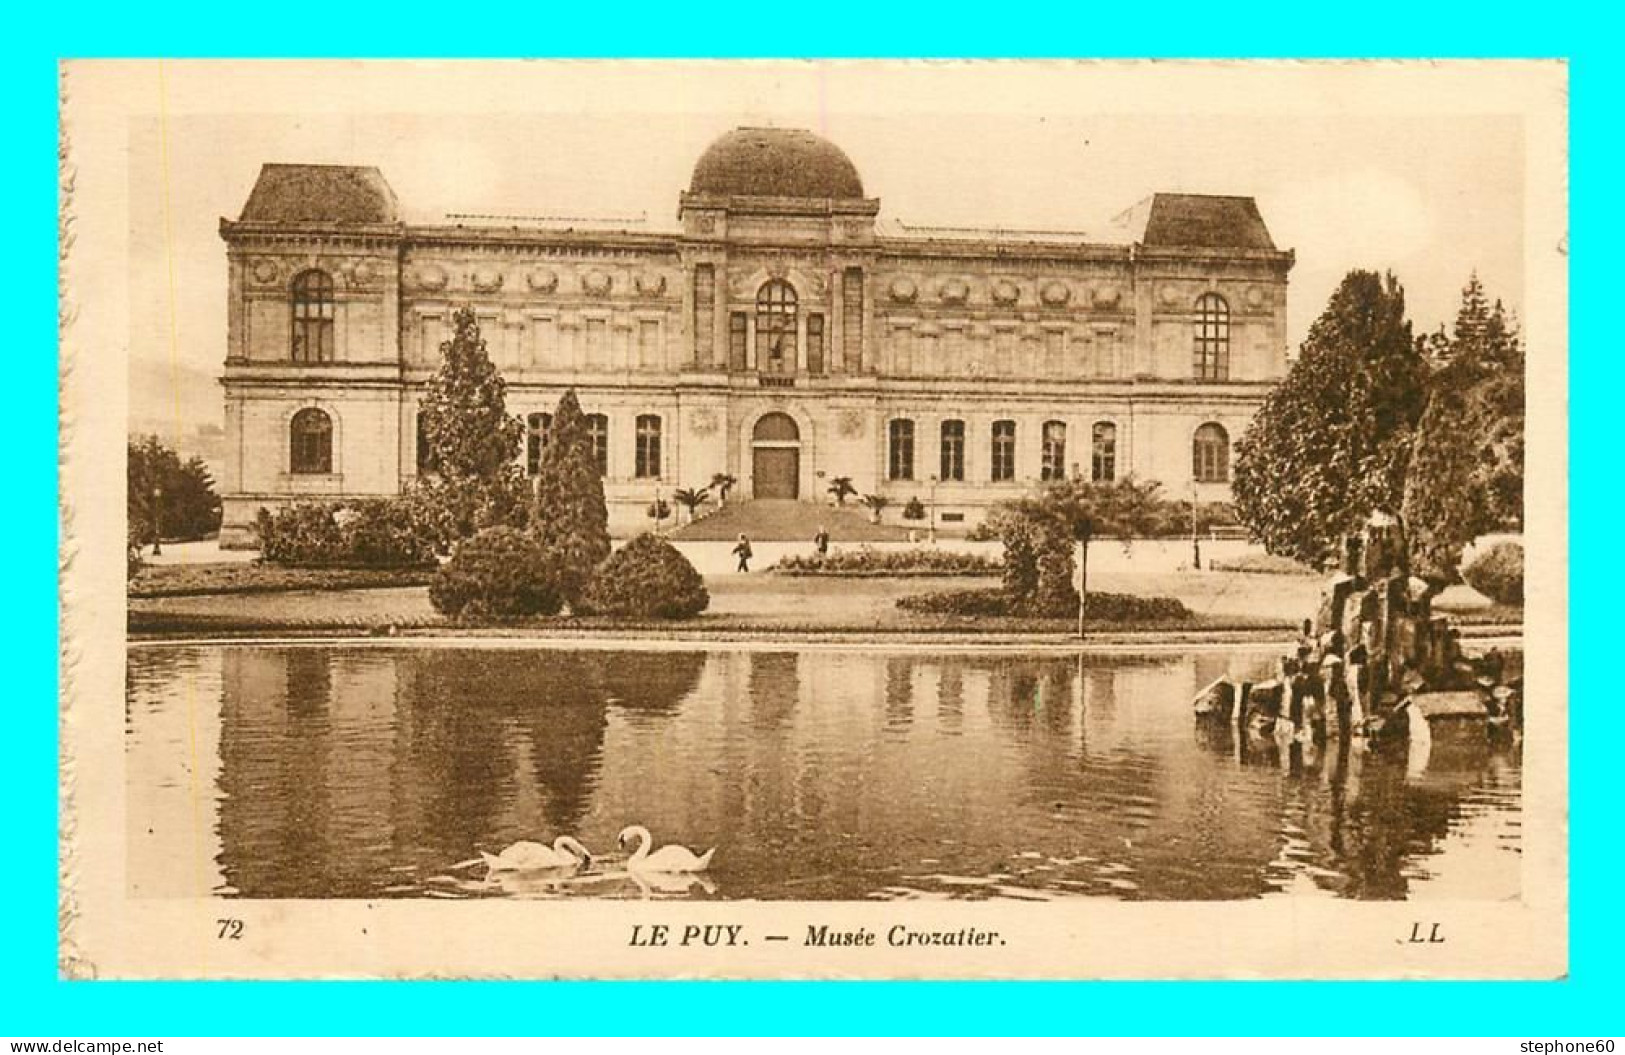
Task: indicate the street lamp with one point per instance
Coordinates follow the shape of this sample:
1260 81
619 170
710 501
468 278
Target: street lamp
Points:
932 510
157 522
1196 540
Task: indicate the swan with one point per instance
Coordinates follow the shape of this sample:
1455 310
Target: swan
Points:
666 859
530 857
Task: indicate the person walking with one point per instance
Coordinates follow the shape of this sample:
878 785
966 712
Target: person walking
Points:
742 551
821 541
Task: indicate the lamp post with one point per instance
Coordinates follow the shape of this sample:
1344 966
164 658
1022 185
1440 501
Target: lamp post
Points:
931 510
157 521
1081 531
1196 540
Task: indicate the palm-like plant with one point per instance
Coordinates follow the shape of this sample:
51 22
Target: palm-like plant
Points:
691 499
841 487
876 503
722 483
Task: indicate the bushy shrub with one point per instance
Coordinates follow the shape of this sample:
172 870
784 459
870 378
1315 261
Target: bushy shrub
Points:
501 573
367 533
866 560
913 509
1497 572
1103 607
647 578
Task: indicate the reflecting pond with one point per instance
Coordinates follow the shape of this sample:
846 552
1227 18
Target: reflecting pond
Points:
364 771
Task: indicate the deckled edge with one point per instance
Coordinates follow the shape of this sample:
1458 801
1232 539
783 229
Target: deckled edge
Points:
71 960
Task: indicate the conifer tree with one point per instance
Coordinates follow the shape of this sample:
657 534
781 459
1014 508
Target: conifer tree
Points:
472 442
1465 476
1331 442
571 518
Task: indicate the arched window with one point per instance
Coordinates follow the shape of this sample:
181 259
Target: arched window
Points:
776 328
900 465
598 433
313 317
1212 347
953 450
1210 454
1004 450
536 427
1053 465
1103 452
310 437
648 454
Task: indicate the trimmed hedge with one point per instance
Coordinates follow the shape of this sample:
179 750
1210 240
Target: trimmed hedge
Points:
1497 573
366 533
502 573
1103 607
647 578
866 560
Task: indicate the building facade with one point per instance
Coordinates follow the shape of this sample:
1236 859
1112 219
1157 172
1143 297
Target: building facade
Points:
780 335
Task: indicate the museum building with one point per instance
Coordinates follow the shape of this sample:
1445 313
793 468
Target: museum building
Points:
782 334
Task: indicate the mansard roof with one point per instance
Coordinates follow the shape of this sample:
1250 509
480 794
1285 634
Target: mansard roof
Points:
320 194
1198 221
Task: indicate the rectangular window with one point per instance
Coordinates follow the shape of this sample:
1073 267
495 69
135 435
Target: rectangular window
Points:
705 311
953 450
1103 459
648 453
852 319
1053 465
815 344
598 433
738 345
1004 451
901 462
536 428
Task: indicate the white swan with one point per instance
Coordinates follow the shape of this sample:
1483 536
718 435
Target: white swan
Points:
666 859
565 852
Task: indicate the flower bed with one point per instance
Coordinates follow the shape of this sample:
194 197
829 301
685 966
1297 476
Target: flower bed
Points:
192 580
995 602
868 561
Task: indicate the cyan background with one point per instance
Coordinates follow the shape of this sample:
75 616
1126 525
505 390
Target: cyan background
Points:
34 1002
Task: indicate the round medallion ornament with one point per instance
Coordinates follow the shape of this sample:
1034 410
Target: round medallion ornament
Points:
1169 294
429 276
1006 292
264 271
651 284
595 283
1055 294
851 424
1255 297
541 280
903 290
954 291
1107 296
487 280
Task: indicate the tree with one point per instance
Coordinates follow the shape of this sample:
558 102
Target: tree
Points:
876 503
691 499
1039 534
472 442
571 519
166 496
1465 476
722 483
1331 442
841 487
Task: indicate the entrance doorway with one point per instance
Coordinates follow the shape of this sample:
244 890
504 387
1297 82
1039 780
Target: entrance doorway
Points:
776 457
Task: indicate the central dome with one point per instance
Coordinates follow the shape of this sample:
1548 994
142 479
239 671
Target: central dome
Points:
776 163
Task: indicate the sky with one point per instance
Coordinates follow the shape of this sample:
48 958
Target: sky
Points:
1348 172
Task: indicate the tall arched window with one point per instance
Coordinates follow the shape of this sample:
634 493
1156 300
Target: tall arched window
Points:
900 464
313 317
648 453
776 327
1103 452
953 449
1210 454
1053 464
536 426
1212 340
1004 450
598 433
310 442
